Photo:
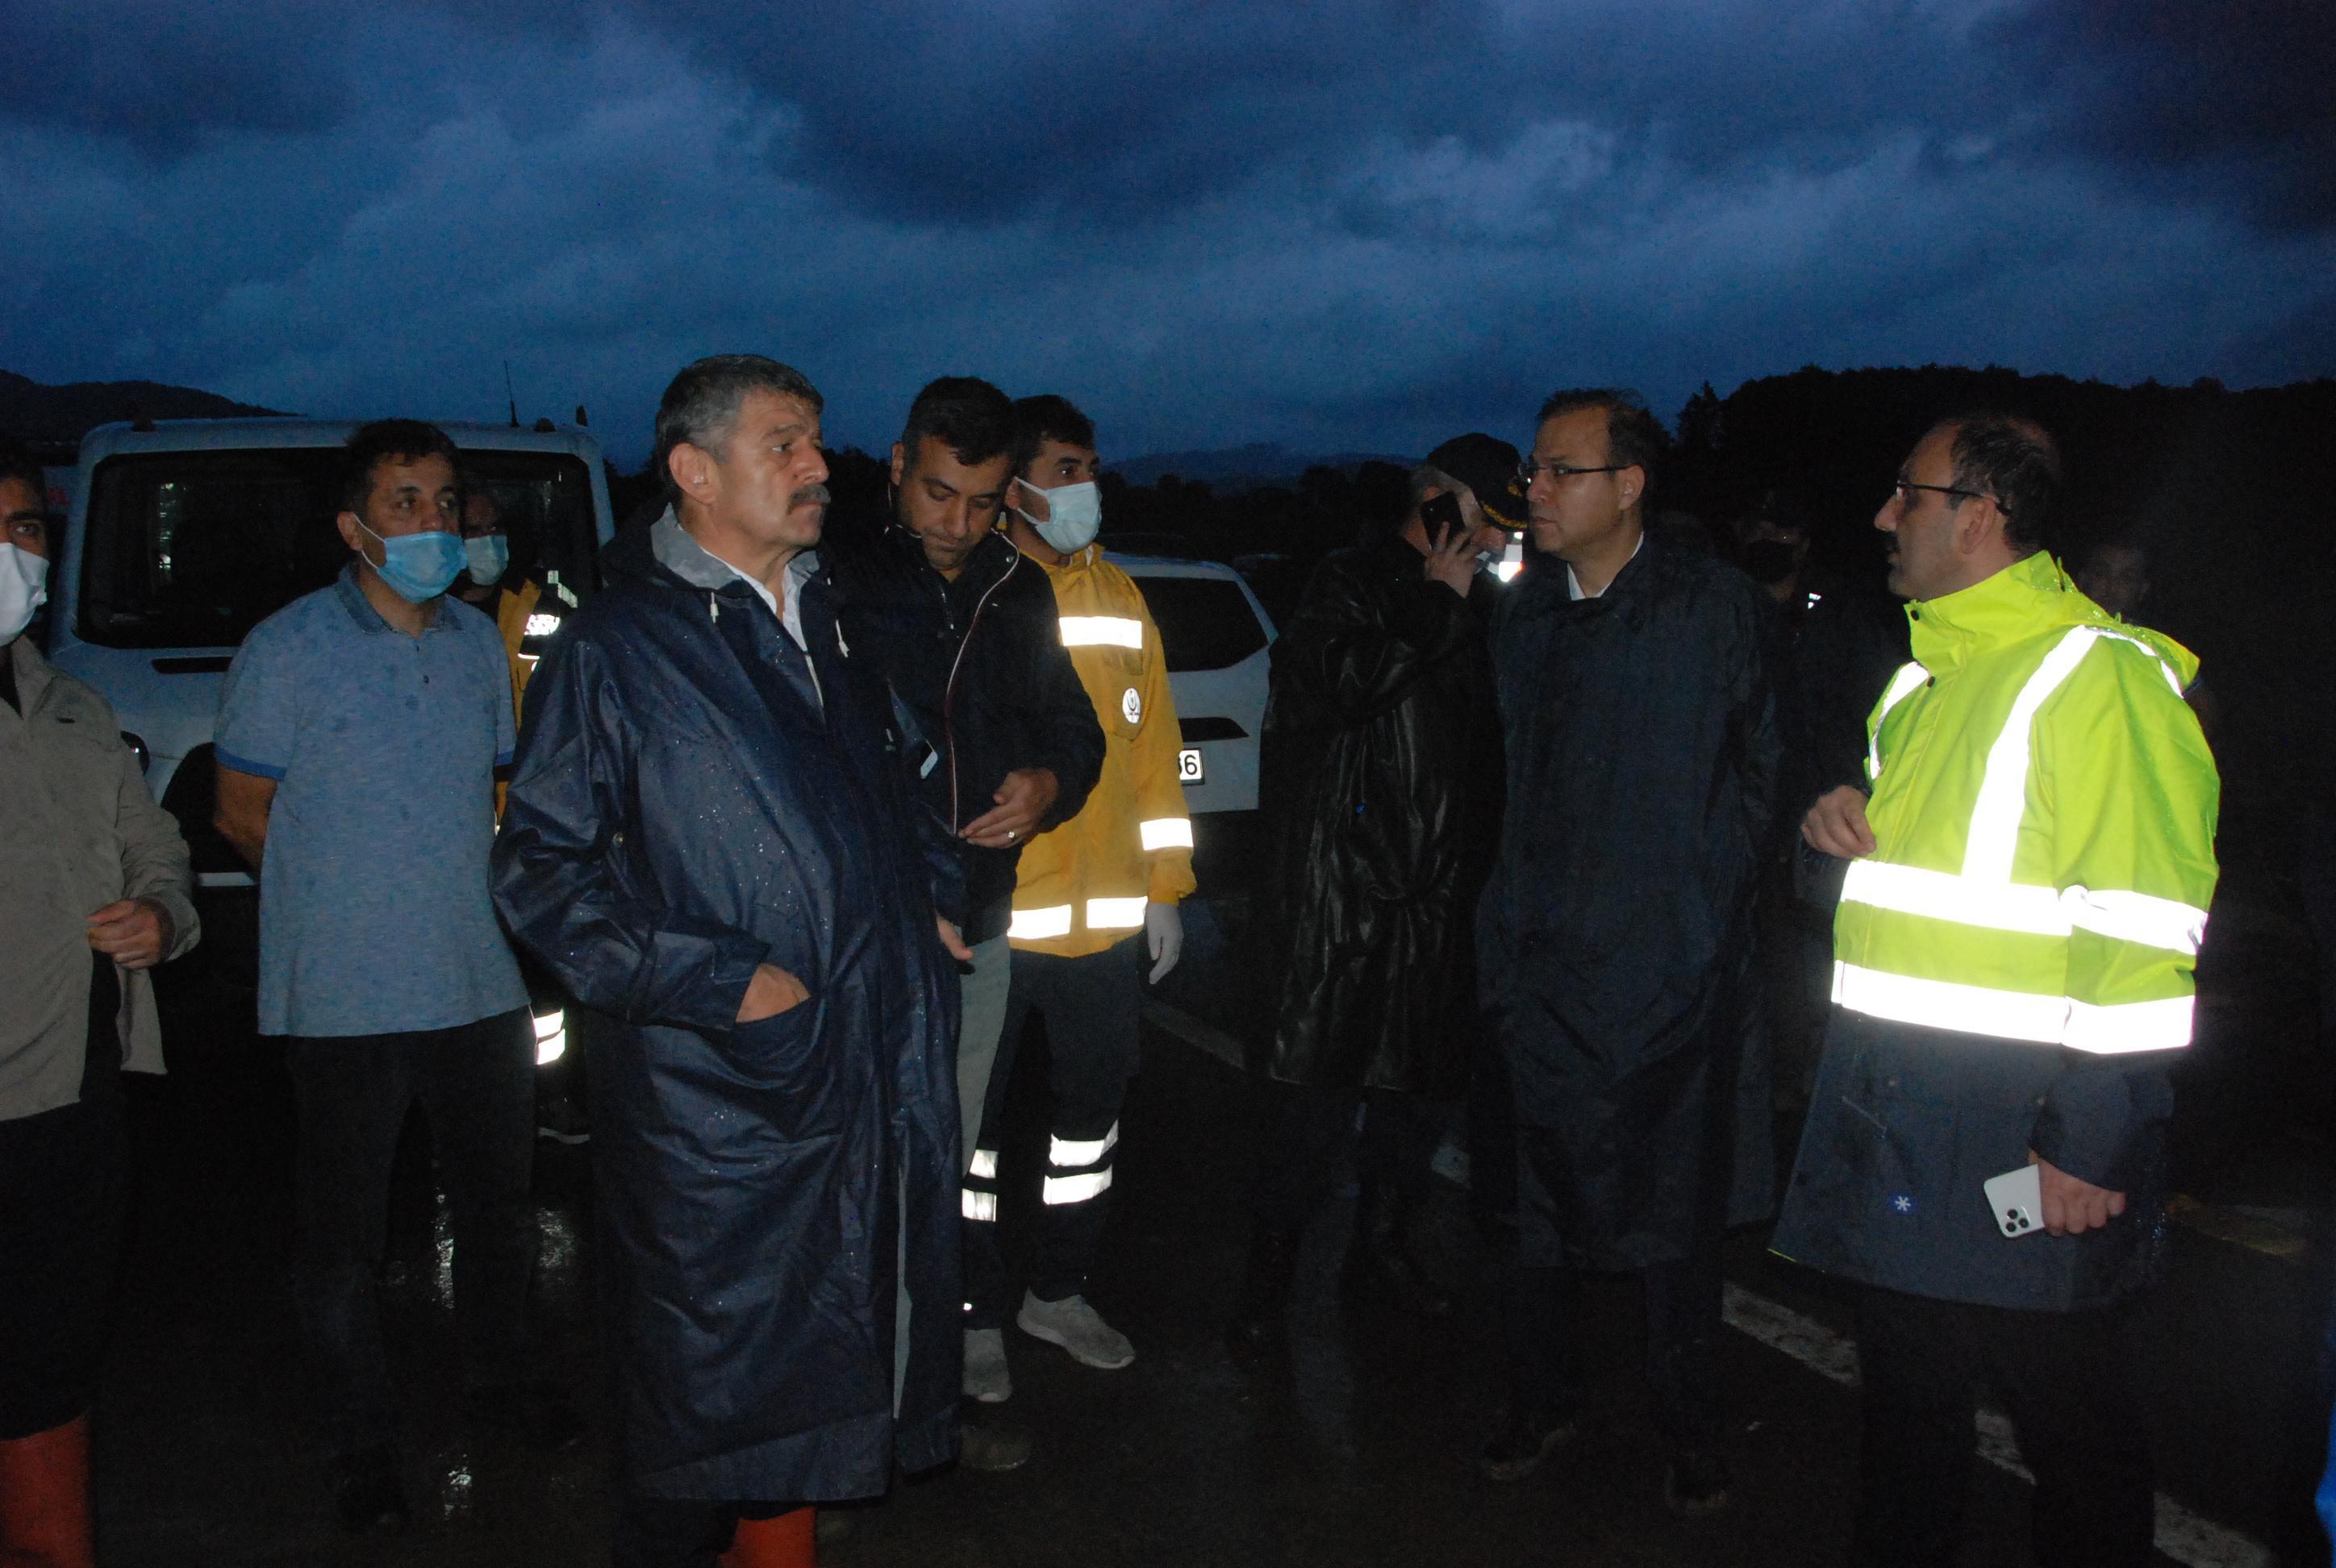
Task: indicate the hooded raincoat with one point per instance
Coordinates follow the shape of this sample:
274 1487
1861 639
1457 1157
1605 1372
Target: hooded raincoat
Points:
1381 781
1614 939
696 794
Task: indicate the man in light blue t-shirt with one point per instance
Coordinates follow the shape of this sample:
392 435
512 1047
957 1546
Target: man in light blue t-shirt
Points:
358 735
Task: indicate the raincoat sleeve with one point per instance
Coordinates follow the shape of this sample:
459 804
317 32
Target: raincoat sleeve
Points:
1165 823
1347 662
2132 793
562 866
1754 730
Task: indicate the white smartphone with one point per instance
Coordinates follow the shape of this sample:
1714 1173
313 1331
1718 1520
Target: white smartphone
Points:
2016 1200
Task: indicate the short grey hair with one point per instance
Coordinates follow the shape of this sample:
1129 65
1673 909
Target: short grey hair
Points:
700 406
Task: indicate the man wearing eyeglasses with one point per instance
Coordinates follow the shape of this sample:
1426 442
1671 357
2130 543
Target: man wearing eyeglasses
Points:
2028 884
1641 755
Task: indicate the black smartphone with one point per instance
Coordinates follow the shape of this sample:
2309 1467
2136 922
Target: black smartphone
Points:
1438 513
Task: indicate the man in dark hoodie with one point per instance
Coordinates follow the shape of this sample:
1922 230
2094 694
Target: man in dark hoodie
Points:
710 836
1003 737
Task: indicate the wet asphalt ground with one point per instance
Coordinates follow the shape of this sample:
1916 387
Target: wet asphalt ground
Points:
1359 1451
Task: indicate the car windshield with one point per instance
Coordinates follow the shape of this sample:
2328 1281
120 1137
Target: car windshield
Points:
1205 622
194 549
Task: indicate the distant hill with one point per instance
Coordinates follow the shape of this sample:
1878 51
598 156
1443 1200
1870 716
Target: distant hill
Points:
43 415
1239 468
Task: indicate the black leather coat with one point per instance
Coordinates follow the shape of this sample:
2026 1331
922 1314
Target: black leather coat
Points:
684 806
1614 939
1380 781
980 667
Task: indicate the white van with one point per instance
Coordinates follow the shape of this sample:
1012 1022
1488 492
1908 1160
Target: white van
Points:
1219 642
184 534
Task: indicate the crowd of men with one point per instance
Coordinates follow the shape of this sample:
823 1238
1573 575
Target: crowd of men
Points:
808 821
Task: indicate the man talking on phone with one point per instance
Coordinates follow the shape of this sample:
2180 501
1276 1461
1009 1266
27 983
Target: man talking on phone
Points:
2029 872
1381 786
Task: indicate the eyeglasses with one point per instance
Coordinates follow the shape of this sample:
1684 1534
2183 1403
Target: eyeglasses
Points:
1531 470
1899 488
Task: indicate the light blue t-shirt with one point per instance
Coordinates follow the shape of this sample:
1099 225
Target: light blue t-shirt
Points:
373 915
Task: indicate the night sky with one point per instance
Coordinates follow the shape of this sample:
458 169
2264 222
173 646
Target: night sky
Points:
1338 227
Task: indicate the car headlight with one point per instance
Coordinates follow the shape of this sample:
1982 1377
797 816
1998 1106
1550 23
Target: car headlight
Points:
550 1037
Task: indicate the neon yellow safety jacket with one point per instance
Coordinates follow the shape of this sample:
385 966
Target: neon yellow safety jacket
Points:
2043 808
1082 884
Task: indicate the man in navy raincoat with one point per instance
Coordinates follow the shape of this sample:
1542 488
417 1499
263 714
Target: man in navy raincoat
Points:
710 838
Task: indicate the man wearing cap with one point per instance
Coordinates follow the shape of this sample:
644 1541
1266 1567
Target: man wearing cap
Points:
1381 777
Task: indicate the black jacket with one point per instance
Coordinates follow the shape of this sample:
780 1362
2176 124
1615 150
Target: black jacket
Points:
978 664
685 804
1380 781
1614 941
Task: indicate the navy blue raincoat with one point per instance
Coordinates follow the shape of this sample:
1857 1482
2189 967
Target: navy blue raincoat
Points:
1614 941
694 796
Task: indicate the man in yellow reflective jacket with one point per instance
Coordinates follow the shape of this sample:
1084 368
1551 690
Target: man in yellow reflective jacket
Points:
1094 899
2029 882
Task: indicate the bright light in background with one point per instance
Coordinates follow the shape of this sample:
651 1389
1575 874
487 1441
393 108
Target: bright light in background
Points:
551 1037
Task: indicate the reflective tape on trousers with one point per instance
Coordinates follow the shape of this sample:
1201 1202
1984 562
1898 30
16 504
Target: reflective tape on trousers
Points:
1061 1189
2114 1030
1065 1155
984 1165
981 1206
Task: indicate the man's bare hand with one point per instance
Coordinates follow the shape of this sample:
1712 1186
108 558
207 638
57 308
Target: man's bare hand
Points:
2073 1205
1836 823
771 992
953 940
133 932
1453 560
1025 798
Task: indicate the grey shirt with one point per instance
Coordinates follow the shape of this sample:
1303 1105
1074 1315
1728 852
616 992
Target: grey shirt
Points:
80 832
374 916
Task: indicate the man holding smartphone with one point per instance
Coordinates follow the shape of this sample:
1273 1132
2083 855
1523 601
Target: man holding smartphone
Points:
1381 781
2029 882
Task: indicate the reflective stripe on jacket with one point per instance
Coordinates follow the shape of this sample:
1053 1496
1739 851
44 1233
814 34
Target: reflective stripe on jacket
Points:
1083 885
2043 810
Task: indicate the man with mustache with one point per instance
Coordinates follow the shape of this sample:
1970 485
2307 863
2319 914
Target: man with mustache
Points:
710 836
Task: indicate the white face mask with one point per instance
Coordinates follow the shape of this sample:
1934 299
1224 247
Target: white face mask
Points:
1074 514
24 589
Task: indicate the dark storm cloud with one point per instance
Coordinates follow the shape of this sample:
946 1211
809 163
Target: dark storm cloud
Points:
162 74
2232 96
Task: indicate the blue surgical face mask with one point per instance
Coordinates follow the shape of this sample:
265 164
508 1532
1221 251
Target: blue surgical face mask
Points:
420 566
488 557
1073 514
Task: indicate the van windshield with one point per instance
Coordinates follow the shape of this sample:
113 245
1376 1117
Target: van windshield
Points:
194 549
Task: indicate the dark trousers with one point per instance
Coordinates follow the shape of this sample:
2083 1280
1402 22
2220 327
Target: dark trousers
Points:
2062 1378
679 1533
1304 1132
1091 1007
1542 1326
477 1088
64 1184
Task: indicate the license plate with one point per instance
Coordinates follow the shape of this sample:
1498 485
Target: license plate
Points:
1187 767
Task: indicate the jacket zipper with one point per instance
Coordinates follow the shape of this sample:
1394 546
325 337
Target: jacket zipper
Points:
948 693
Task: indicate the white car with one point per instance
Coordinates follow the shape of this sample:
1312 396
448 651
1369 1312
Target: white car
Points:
1219 644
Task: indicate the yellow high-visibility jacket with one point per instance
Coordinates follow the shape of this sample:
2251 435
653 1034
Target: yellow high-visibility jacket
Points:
1083 885
2044 811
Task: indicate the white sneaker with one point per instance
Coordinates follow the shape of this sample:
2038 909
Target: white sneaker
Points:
1077 1327
986 1376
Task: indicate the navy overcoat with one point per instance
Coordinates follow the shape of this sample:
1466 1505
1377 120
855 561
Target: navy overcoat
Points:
689 802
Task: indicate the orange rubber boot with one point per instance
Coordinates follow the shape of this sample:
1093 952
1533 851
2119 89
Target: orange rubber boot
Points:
787 1540
44 1519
